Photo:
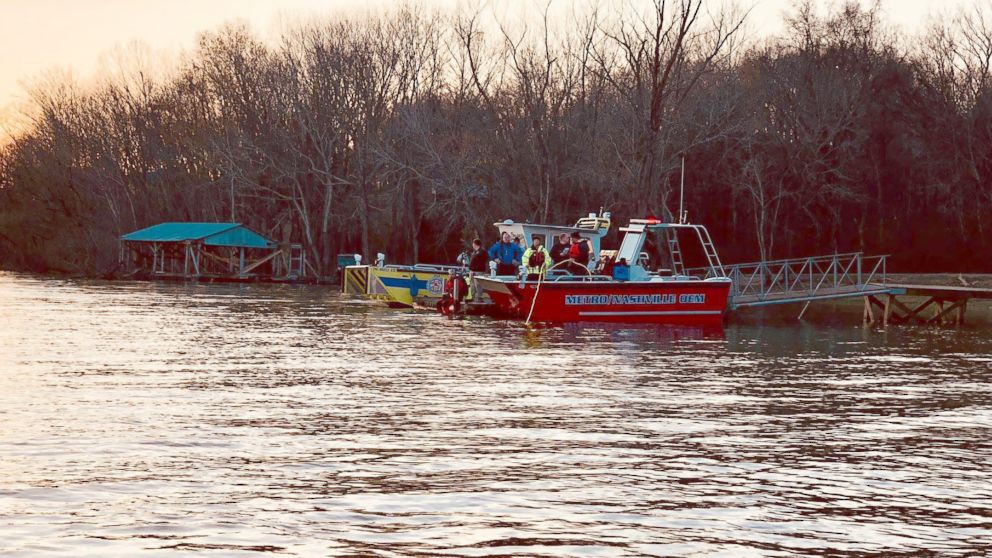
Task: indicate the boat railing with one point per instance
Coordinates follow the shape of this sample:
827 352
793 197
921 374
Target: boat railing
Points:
802 278
588 278
440 268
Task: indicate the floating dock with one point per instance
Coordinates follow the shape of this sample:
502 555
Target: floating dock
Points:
945 304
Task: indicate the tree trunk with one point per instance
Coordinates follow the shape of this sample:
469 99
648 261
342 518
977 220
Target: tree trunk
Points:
326 242
365 219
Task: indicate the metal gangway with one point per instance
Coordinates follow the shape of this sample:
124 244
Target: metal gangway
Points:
804 279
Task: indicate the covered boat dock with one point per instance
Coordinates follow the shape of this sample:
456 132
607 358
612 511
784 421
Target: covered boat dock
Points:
210 251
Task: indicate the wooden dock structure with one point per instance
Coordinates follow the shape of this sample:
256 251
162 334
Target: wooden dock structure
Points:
941 304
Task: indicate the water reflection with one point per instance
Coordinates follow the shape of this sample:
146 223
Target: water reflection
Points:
276 419
541 335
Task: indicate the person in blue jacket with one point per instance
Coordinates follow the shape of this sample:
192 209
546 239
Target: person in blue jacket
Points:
507 255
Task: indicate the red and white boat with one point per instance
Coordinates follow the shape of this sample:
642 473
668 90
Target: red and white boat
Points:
644 296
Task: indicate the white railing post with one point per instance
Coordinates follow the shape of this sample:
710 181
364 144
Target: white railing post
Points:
761 279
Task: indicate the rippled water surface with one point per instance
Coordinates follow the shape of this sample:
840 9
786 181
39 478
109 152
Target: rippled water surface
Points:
144 418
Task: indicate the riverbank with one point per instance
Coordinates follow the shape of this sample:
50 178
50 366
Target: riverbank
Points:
981 280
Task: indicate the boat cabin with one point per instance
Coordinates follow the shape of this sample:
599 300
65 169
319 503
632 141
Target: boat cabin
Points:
664 238
592 228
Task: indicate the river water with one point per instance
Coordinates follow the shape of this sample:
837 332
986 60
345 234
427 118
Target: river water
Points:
167 419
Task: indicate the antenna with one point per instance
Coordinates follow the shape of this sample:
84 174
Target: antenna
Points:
682 193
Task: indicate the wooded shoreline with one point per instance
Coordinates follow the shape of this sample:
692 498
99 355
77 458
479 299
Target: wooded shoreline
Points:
412 132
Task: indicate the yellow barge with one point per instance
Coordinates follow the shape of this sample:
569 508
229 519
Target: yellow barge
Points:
398 286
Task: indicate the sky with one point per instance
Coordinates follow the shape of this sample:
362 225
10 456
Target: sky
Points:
39 37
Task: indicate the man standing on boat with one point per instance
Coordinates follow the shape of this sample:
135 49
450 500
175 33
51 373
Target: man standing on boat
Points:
559 252
507 255
537 259
478 260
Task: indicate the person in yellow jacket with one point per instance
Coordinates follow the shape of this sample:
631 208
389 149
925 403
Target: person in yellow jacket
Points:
537 259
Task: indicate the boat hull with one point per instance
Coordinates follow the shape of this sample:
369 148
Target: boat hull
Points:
396 286
671 302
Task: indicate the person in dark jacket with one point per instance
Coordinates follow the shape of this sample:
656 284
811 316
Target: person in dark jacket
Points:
478 259
559 252
507 255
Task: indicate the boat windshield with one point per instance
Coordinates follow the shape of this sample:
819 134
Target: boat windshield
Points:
630 246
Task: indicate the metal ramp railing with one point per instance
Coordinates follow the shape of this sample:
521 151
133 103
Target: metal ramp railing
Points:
803 279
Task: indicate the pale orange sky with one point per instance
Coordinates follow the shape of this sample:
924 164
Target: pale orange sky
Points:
39 36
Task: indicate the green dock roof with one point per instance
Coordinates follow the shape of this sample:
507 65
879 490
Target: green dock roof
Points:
234 235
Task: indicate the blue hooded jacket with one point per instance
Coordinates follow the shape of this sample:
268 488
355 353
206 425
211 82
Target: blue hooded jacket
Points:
506 253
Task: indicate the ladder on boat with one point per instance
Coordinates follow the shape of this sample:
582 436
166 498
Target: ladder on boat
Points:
709 250
678 267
